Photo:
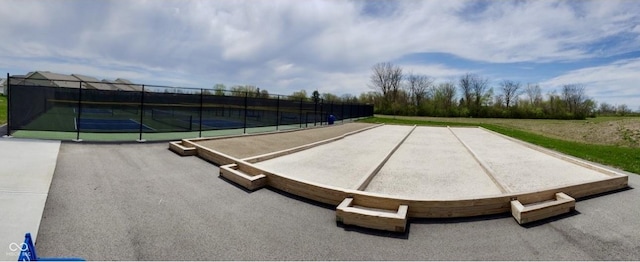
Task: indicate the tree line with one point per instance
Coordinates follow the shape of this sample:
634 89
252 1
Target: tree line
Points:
471 95
254 91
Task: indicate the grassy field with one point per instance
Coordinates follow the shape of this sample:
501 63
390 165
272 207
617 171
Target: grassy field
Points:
3 109
611 141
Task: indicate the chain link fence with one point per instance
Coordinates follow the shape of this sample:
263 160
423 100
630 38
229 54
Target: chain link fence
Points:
102 107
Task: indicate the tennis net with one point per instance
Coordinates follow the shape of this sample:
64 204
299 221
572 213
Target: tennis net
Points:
172 118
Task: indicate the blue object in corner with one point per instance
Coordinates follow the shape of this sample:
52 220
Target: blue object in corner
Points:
28 252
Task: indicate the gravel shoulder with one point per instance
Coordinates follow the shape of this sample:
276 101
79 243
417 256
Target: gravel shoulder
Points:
247 146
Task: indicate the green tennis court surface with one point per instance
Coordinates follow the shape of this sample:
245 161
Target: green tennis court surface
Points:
133 136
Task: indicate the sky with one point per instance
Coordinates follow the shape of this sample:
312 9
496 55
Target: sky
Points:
330 46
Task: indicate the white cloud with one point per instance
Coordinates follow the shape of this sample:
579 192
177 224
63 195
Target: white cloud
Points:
615 83
289 45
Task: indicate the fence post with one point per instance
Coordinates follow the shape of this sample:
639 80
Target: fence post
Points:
331 108
300 113
8 94
79 114
315 111
246 94
277 112
201 109
342 111
141 114
321 111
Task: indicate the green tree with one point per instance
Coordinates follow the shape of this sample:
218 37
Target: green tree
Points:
329 97
315 96
218 89
299 95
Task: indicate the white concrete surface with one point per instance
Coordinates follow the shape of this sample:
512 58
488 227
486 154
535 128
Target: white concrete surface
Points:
433 164
26 170
519 168
341 163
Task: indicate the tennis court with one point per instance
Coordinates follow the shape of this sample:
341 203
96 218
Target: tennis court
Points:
96 111
219 124
105 125
39 110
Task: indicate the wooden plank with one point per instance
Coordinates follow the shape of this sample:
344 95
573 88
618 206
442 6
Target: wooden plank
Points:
318 193
238 177
390 220
536 211
419 208
179 149
214 156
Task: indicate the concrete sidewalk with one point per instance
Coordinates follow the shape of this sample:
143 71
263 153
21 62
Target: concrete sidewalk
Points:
26 170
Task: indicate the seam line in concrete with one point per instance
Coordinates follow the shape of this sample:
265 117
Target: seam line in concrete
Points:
487 170
362 184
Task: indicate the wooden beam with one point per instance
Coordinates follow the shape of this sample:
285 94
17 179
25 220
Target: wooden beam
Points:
537 211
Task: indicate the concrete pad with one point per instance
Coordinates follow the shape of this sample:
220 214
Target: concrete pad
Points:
521 169
433 164
342 163
27 167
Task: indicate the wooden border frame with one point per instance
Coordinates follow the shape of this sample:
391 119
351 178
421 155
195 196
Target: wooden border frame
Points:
252 177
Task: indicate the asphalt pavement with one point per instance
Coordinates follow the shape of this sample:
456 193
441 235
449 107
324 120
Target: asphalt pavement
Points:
143 202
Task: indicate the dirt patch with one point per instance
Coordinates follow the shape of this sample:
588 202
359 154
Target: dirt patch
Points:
247 146
616 131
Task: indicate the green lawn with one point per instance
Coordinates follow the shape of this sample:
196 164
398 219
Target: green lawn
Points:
626 158
3 109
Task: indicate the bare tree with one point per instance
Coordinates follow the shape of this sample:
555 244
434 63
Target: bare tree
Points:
465 88
534 94
606 108
418 86
349 98
573 95
387 78
479 86
444 95
264 93
509 91
623 110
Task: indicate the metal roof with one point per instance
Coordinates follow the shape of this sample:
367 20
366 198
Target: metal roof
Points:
92 82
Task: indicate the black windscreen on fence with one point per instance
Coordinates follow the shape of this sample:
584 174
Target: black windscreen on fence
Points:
47 105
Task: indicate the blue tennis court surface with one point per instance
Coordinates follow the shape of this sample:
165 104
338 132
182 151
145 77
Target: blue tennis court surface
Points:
109 125
95 111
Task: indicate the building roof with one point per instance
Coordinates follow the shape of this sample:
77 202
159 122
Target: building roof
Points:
92 82
46 78
59 80
118 86
128 83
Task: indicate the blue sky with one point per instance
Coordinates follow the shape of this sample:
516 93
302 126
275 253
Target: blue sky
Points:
288 45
